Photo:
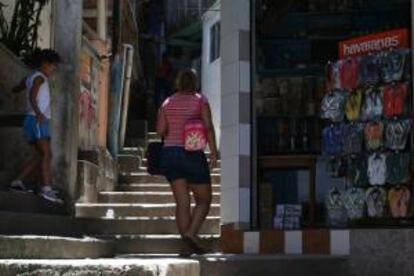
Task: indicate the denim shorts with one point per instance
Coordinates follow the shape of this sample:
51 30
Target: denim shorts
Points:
35 131
177 163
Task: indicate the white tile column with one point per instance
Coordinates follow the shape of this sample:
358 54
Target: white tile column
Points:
235 111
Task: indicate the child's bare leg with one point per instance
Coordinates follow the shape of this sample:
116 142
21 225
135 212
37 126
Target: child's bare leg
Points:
28 169
44 147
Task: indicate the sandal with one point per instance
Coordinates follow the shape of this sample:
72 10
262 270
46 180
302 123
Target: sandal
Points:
195 247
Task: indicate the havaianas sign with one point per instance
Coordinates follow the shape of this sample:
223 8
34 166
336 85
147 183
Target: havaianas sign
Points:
374 43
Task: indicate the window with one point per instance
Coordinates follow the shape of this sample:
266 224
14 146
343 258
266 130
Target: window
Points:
215 42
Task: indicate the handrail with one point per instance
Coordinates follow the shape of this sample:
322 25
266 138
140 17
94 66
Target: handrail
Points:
127 74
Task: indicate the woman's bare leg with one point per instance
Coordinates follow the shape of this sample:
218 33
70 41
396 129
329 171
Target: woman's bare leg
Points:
182 200
202 195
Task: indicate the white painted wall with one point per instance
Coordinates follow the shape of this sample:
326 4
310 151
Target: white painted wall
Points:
46 18
211 71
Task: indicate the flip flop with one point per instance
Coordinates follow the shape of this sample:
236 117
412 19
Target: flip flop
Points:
394 197
376 199
405 202
354 200
195 247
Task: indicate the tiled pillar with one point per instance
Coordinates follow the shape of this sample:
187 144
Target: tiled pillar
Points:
235 112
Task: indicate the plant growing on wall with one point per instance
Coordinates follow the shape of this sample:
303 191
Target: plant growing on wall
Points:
20 35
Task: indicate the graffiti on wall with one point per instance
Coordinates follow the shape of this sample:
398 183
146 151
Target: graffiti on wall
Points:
88 102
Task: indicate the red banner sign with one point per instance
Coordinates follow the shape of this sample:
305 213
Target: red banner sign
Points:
374 43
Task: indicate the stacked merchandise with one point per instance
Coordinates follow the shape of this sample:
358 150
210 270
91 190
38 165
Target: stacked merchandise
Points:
287 115
266 205
367 107
288 217
335 5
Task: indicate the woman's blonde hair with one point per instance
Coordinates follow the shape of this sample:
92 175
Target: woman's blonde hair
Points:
186 81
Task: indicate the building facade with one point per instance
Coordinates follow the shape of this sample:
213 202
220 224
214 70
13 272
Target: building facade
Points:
279 175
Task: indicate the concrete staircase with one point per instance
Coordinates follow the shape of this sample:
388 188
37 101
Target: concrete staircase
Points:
139 215
53 247
107 267
30 226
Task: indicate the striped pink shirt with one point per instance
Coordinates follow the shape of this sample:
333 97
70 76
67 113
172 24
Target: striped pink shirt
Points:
178 109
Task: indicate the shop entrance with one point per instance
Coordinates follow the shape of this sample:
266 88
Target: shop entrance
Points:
332 103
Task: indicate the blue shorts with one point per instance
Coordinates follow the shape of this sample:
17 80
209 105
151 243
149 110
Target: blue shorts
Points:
35 131
178 163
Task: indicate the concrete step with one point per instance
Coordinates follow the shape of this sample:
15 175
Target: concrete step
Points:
145 162
143 177
153 135
133 142
143 225
129 162
153 140
125 210
136 151
52 247
107 267
130 169
11 201
152 187
160 244
292 265
142 197
39 224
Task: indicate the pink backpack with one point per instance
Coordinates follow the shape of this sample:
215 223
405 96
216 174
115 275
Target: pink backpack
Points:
195 136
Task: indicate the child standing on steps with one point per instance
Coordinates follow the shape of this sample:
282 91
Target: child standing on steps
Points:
37 122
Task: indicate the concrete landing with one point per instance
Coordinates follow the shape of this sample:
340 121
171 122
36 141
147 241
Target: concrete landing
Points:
11 201
107 267
45 247
254 265
264 265
12 223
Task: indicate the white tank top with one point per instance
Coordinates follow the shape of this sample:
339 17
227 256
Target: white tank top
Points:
43 96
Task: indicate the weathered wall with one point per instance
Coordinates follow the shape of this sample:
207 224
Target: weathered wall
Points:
103 48
65 106
89 98
13 147
12 71
97 172
96 167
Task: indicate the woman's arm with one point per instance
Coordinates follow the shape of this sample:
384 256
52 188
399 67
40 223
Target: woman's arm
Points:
211 134
162 125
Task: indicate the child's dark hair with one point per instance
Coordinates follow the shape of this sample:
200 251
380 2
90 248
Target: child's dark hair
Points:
40 56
